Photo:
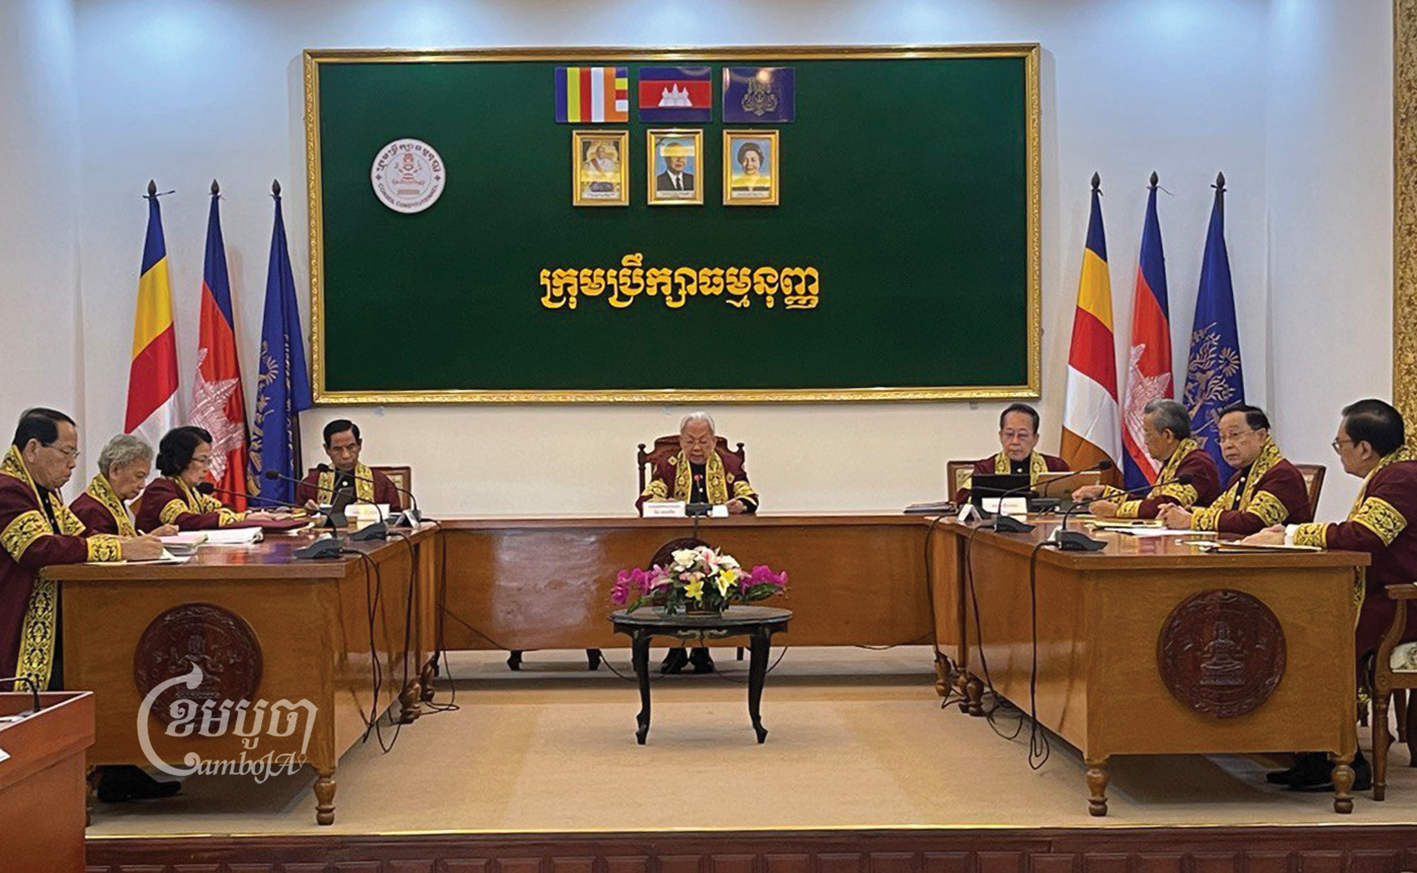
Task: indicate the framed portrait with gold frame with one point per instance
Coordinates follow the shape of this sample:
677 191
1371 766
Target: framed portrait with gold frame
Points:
674 161
600 168
750 167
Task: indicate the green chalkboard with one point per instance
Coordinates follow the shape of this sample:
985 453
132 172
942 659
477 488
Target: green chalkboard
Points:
908 182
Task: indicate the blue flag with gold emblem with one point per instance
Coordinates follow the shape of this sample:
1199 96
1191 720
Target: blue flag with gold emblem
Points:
1214 378
753 95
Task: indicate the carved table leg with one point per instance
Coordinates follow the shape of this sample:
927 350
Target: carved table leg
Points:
974 695
639 656
1343 781
944 674
1097 786
961 681
409 698
425 680
325 797
514 659
757 673
592 657
1382 740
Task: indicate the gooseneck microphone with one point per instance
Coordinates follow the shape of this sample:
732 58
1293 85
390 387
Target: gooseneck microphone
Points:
412 512
379 530
1008 524
1077 541
334 519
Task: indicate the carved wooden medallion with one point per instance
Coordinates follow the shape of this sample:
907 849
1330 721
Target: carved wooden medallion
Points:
1221 653
218 641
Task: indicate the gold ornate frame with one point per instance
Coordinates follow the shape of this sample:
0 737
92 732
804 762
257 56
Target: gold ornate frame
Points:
579 138
652 138
1404 209
729 158
1030 52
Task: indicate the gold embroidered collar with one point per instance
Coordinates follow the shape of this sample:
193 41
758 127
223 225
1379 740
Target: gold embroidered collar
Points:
1401 453
1183 448
101 489
1269 456
1036 465
715 480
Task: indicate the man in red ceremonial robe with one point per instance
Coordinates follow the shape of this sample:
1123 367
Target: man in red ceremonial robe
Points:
1166 431
123 468
343 444
701 472
1266 489
1018 439
38 530
1371 443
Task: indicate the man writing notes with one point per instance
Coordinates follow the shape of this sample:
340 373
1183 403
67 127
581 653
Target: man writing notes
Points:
38 530
1018 439
701 472
1266 489
1166 432
1372 444
343 445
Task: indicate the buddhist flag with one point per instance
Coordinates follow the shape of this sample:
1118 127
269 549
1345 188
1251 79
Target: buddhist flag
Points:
1090 428
218 404
152 376
593 94
1214 378
283 389
1149 362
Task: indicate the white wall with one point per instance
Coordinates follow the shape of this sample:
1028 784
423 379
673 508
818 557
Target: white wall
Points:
39 330
1329 172
203 89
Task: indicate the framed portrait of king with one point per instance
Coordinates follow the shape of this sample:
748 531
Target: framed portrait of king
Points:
750 167
600 168
674 161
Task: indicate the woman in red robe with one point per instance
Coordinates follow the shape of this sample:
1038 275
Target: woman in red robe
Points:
183 456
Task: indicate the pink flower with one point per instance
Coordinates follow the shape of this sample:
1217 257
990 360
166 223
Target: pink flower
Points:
620 591
763 575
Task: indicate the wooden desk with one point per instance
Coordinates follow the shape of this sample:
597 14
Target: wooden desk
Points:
42 789
544 583
1112 623
263 626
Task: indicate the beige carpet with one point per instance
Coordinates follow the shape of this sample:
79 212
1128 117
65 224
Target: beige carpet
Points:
857 739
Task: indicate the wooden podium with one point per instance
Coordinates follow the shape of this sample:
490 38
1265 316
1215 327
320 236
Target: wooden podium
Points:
42 788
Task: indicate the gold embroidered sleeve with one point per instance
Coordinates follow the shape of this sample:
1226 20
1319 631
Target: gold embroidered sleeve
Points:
742 489
174 509
656 490
1186 495
226 517
1208 518
104 547
1270 509
1311 534
1128 509
209 503
69 523
1380 517
1111 493
21 533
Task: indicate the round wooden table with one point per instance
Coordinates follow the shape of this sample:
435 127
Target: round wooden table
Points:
758 623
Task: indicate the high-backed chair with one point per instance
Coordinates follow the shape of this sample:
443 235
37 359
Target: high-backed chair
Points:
666 446
1314 481
1394 673
402 477
957 474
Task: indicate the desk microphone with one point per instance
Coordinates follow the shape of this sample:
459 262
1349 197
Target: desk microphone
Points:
333 519
412 513
1008 524
1077 541
379 530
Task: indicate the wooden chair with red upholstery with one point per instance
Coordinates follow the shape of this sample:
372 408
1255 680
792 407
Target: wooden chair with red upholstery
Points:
957 475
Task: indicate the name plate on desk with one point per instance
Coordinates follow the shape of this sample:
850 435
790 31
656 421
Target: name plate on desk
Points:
1010 505
664 509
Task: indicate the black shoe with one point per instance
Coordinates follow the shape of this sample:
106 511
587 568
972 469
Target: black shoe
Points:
1307 766
702 661
1362 777
126 782
674 661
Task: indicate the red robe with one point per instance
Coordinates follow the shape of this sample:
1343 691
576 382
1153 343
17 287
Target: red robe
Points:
1381 524
168 500
724 479
1274 493
29 606
1189 459
999 465
102 511
370 486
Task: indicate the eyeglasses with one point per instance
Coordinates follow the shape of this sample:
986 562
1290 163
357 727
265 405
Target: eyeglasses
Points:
202 459
1233 437
69 454
1337 443
1016 434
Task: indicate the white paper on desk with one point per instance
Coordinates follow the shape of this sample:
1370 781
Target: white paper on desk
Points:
664 509
1011 505
1148 532
4 756
234 536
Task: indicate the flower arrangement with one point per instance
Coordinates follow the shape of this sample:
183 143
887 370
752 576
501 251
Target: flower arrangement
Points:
698 579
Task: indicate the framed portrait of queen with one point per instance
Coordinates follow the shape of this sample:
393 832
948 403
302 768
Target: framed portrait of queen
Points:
750 167
600 168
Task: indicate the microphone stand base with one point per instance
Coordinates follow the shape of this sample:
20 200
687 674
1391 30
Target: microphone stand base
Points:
1077 541
376 531
1008 524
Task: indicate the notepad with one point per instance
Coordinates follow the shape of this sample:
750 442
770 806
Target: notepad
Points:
234 536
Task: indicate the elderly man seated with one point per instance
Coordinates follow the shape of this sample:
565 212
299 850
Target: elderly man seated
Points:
701 472
1166 432
1266 489
123 468
1018 441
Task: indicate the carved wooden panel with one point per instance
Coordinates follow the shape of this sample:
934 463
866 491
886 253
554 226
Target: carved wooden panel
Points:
1221 653
214 639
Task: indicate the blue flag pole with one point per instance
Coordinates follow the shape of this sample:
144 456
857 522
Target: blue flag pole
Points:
283 389
1214 377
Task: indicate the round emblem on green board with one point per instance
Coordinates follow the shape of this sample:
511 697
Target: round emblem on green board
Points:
408 175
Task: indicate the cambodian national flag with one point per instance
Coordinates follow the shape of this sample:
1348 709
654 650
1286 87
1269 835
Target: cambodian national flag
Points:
1214 378
676 94
1149 373
217 402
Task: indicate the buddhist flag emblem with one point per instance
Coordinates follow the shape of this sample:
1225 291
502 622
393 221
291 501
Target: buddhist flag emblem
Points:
592 94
